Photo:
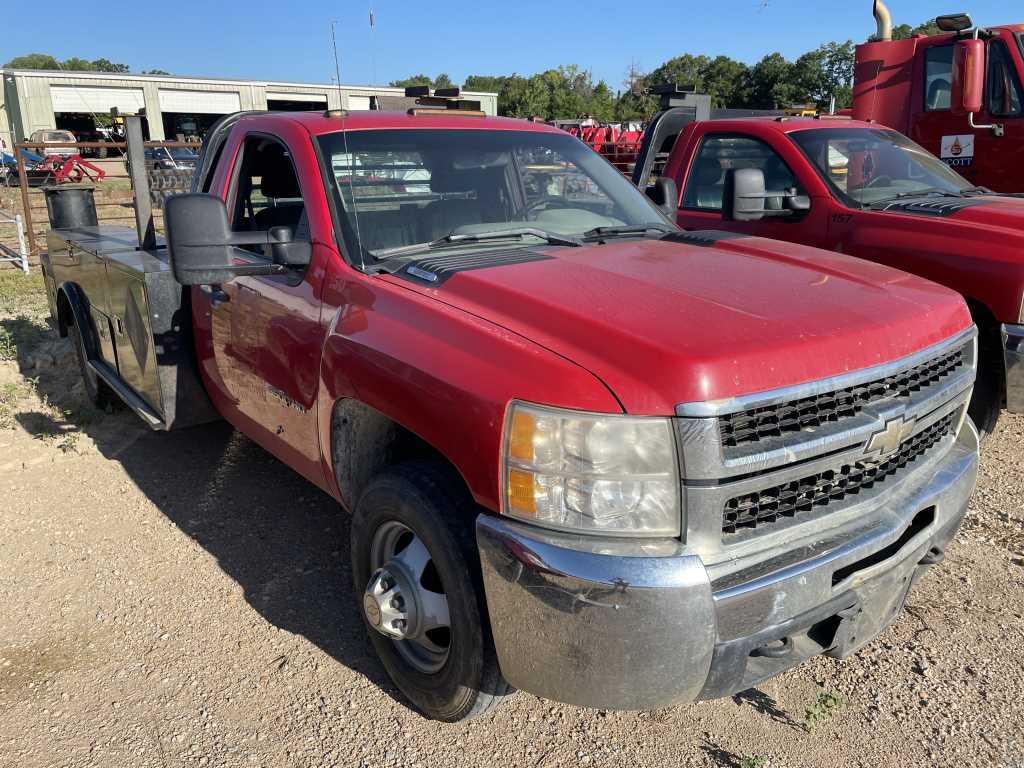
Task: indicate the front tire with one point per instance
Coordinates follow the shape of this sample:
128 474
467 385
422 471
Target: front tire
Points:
987 401
417 581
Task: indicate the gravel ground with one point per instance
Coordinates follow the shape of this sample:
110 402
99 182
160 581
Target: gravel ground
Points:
185 599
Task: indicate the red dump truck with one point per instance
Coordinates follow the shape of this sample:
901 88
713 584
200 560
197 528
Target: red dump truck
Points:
586 454
958 94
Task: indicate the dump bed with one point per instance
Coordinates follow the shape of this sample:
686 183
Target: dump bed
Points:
140 319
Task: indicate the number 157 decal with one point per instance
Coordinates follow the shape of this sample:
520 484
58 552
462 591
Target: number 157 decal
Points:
842 218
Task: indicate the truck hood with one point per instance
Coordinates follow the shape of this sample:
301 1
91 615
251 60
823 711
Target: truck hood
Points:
1001 211
664 323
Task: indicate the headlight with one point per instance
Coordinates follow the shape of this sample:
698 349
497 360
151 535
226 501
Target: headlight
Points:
590 473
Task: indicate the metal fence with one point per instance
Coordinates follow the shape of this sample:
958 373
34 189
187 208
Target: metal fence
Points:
104 174
18 255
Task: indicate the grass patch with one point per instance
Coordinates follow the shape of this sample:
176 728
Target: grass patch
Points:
10 395
755 761
20 334
825 705
22 294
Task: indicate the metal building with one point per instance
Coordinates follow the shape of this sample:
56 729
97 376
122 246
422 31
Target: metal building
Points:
173 106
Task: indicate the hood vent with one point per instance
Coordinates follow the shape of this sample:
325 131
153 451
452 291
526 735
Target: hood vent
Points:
943 207
435 270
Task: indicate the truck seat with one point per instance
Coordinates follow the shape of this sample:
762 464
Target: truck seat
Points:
939 94
284 198
706 185
463 208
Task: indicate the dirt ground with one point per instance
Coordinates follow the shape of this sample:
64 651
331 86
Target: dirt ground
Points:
183 598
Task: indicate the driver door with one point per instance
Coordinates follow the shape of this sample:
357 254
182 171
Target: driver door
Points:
704 186
262 363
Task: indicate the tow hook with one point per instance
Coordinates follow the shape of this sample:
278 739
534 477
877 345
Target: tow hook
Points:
775 649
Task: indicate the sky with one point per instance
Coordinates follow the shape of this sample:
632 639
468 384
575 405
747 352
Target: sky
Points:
292 42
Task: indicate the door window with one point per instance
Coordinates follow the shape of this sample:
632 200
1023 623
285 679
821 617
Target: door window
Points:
720 153
1004 97
938 77
267 192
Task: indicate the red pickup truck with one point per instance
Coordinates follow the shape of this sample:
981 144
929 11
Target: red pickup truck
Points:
586 454
867 191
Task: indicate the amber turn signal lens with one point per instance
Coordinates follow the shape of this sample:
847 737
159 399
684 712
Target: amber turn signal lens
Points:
522 498
521 436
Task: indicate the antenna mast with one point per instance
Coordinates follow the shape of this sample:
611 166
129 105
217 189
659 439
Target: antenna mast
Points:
337 67
348 155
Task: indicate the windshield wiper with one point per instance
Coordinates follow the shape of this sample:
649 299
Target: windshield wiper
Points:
921 193
599 233
454 238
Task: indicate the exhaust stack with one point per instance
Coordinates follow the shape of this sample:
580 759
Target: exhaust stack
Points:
884 21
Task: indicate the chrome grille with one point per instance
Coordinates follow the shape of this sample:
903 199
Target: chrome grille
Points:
757 424
819 490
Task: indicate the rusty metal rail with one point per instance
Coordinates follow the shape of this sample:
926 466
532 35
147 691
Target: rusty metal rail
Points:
32 231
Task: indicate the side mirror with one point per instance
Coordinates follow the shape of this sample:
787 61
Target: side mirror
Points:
744 194
200 242
968 77
665 194
744 197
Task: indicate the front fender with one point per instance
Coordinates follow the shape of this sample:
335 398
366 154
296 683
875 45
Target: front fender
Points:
443 374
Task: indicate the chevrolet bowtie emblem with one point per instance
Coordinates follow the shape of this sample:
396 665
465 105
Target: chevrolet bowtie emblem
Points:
888 441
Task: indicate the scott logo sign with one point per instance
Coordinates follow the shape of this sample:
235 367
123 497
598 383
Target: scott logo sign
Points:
888 441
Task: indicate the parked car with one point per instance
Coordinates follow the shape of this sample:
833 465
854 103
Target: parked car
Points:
51 135
586 454
171 158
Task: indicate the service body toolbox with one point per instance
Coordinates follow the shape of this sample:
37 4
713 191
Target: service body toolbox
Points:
140 318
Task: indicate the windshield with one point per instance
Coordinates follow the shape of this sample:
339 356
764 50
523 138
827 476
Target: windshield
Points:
399 188
868 165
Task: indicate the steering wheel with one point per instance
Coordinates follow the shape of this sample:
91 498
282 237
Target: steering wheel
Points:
878 182
552 200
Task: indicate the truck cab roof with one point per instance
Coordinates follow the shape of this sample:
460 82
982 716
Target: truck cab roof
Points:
320 122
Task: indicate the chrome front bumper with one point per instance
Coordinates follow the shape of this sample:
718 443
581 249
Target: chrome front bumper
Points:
641 625
1013 355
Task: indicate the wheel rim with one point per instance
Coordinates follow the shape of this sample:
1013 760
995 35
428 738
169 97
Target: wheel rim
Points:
404 599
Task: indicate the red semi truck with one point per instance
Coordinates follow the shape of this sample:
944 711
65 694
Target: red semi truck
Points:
864 190
958 94
586 454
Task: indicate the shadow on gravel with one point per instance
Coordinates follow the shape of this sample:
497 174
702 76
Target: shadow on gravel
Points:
766 705
720 756
280 538
284 541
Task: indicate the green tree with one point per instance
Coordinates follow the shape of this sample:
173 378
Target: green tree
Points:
33 61
772 85
73 64
443 81
524 97
825 72
725 80
904 31
155 72
413 81
681 70
485 83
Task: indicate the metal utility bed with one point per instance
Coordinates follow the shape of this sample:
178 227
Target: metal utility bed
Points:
140 317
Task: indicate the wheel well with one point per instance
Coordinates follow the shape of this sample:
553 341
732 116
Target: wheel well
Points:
990 340
364 441
65 314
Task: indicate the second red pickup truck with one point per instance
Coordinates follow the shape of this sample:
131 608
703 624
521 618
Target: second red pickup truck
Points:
865 190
